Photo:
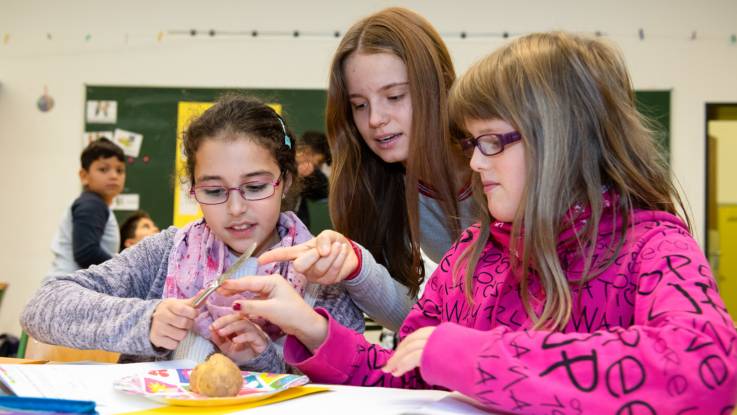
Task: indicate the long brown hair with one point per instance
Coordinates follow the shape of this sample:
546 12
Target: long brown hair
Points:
375 203
572 100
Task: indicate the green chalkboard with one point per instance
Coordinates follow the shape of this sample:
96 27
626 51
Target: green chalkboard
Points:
153 113
655 105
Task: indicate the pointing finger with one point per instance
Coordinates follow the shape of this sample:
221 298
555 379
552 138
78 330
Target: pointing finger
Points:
282 254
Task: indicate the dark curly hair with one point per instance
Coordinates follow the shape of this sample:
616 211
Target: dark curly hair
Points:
235 115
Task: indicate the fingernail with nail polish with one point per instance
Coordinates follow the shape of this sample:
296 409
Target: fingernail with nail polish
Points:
237 306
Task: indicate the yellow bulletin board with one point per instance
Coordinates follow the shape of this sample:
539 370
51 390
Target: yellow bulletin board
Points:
726 268
186 209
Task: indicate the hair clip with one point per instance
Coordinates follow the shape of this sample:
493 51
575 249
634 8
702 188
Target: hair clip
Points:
287 139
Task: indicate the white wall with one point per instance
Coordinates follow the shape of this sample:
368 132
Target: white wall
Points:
39 151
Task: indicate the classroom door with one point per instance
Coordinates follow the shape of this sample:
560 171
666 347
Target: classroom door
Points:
722 232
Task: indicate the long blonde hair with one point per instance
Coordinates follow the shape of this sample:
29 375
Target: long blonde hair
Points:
572 100
373 202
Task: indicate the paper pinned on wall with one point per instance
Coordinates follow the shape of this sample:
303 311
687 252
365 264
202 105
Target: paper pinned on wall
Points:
102 112
126 201
91 136
129 141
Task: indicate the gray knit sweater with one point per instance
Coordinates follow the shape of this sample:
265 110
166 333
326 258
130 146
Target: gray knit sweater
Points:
109 306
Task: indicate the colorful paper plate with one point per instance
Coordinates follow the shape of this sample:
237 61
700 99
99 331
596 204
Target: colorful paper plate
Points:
171 386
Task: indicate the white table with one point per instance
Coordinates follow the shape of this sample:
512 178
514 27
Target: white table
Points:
354 400
86 382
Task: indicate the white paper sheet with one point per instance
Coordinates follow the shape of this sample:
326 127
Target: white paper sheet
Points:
83 382
102 112
129 141
126 201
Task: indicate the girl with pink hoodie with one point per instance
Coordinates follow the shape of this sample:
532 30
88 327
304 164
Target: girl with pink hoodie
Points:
581 291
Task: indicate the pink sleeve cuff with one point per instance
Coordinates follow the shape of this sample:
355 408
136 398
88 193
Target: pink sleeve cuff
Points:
446 341
333 361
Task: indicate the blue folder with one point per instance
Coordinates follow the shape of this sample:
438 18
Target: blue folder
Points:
21 405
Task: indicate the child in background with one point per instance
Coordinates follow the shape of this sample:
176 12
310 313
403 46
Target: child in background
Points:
316 151
240 163
136 227
581 291
88 234
313 154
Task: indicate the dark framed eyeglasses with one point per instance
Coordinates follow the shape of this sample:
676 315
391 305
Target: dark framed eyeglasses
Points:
253 190
489 144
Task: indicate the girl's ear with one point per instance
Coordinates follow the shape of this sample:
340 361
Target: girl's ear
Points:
287 183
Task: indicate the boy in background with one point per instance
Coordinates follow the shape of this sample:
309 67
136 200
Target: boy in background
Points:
313 167
136 227
314 150
88 234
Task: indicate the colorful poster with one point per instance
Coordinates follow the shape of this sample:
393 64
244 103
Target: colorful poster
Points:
129 141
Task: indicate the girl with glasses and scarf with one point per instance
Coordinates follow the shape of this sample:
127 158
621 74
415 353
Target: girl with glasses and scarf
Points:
240 162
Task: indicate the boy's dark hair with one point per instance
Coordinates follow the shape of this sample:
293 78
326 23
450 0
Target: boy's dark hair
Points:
100 148
318 142
128 228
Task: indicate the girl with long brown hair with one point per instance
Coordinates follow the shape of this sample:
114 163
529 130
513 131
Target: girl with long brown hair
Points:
581 291
398 181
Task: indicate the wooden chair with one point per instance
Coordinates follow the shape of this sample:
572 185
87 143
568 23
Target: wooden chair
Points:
37 350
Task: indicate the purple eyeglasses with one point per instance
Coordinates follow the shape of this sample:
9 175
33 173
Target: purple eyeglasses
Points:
489 144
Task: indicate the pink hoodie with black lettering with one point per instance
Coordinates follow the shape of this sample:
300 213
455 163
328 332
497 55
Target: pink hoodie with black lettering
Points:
649 335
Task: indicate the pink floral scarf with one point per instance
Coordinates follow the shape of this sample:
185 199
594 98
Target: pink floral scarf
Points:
198 257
